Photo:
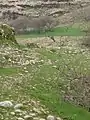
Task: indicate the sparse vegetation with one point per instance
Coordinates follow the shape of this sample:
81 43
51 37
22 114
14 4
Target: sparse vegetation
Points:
48 78
45 69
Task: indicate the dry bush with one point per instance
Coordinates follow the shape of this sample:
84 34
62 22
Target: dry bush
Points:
78 91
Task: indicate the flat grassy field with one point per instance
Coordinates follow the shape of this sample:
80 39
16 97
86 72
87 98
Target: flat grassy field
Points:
59 31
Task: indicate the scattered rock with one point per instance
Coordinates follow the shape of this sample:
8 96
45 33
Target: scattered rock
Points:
12 113
58 118
37 110
28 117
20 118
18 111
6 104
36 118
50 117
42 119
32 114
54 66
18 106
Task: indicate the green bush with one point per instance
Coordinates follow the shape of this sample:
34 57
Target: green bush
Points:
7 35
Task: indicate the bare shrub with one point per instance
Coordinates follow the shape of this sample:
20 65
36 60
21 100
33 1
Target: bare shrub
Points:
74 79
78 91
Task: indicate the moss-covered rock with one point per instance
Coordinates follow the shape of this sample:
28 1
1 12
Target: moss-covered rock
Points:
7 35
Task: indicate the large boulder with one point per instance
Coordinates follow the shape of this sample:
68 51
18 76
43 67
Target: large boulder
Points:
7 35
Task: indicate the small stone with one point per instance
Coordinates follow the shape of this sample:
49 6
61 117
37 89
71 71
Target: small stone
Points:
41 119
9 60
54 66
20 118
18 106
24 112
28 117
58 118
37 110
50 117
32 114
6 104
24 68
26 71
36 118
18 111
12 113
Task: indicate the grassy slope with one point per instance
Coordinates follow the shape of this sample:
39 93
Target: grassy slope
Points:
45 81
45 84
8 71
50 96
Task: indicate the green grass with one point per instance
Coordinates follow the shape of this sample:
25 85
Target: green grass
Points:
43 82
59 31
47 89
9 71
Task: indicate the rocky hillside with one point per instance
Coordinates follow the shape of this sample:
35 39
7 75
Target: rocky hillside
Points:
33 14
11 9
